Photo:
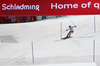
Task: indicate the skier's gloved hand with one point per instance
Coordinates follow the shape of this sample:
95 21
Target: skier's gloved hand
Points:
66 30
75 26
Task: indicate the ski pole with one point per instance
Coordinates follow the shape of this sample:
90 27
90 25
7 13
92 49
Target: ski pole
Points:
64 31
71 21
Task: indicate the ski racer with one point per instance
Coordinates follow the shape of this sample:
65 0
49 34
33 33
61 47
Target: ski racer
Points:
71 30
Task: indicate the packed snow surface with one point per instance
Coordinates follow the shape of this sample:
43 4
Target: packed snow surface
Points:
48 48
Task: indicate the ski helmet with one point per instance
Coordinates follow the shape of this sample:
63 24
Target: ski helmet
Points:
69 26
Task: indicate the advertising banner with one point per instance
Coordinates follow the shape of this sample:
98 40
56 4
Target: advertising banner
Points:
48 7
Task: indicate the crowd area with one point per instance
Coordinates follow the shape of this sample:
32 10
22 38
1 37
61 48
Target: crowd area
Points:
17 19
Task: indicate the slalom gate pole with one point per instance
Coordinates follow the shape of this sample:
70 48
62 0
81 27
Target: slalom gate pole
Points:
60 30
32 52
94 50
94 24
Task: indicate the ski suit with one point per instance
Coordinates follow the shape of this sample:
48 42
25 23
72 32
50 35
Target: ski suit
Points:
70 32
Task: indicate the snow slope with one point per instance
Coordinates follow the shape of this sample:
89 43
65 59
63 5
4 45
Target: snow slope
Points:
15 45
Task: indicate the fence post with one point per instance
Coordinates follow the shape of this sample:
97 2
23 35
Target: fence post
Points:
32 51
94 50
94 24
60 30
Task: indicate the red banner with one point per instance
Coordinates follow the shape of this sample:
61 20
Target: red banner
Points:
48 7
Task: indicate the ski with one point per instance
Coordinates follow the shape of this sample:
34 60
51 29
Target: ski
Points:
61 39
64 38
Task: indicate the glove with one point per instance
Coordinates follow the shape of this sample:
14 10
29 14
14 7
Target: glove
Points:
75 26
66 30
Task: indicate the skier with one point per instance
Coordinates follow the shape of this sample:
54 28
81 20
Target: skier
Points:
70 32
